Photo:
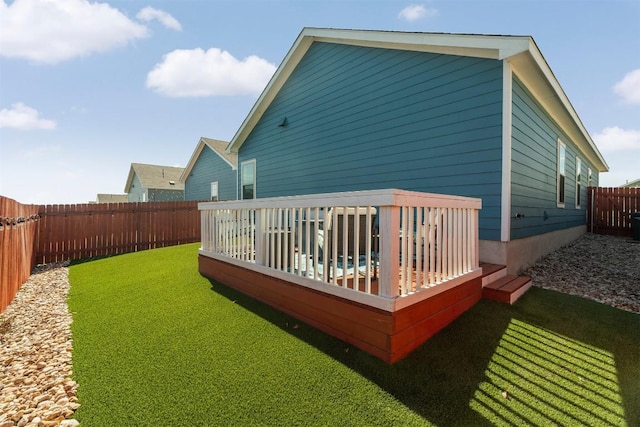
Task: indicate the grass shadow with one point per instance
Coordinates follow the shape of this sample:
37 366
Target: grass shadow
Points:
458 377
435 381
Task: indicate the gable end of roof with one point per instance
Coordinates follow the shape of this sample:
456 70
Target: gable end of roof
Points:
522 51
155 177
218 147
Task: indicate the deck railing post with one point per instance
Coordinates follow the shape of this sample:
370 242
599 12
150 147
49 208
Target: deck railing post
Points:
261 236
423 240
473 239
204 230
389 251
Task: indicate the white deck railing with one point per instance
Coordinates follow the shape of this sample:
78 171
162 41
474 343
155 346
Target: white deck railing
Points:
384 243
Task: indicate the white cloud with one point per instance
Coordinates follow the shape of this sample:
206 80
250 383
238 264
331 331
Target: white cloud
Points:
618 139
415 12
629 87
149 14
52 31
21 117
215 72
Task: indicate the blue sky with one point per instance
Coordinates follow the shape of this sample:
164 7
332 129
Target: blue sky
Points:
87 88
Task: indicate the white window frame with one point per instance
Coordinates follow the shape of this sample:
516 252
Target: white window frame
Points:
578 182
244 164
561 174
215 195
589 178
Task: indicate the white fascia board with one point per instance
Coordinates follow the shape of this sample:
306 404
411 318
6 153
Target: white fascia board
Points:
127 186
192 161
215 150
289 63
480 46
552 82
194 157
505 197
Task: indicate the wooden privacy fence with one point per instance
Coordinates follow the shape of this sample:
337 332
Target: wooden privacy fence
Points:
609 210
31 234
70 232
18 228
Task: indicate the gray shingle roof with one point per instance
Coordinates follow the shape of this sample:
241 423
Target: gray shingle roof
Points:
632 184
156 176
218 147
112 198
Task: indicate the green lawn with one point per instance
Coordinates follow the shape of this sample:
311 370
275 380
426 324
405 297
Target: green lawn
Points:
156 344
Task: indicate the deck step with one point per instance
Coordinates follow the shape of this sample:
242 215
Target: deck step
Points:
507 289
492 272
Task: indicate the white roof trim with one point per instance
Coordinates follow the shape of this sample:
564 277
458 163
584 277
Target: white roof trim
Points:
549 78
127 185
474 45
196 154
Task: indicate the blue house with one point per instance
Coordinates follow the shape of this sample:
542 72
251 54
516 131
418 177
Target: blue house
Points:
211 173
470 115
154 183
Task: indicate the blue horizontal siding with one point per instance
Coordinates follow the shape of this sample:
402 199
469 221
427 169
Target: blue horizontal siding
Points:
366 118
210 167
160 195
534 164
136 190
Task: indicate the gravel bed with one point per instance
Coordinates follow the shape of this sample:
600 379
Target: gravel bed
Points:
36 388
601 268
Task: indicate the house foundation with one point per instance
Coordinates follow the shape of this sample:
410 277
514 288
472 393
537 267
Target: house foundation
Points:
520 254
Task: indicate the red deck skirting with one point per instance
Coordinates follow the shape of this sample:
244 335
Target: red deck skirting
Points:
388 336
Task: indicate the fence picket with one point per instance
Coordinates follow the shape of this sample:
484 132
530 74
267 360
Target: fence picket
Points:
609 210
18 227
51 233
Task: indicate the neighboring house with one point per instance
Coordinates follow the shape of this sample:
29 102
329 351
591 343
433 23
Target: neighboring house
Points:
472 115
112 198
211 173
632 184
153 183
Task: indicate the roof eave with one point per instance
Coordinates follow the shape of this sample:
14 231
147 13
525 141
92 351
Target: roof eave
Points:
288 64
127 186
196 153
192 161
483 46
531 67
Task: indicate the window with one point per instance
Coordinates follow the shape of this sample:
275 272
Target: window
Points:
589 178
214 191
248 180
562 157
578 182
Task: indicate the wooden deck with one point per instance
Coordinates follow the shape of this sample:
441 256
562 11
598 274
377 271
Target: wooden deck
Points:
499 286
296 254
387 335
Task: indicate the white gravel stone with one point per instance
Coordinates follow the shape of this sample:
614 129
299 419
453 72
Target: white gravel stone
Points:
36 387
601 268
